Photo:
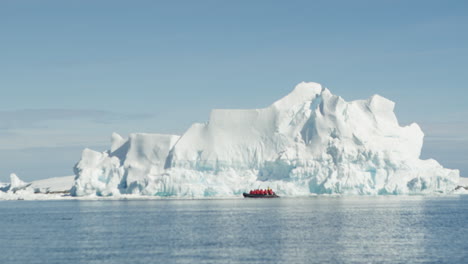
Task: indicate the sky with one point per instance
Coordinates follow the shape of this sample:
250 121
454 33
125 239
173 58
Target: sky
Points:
73 72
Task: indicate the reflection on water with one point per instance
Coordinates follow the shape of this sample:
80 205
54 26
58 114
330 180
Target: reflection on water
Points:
308 230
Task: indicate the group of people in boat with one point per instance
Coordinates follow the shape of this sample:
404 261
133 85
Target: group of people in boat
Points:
268 191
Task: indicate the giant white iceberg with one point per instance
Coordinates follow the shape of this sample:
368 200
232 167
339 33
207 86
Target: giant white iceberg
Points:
309 142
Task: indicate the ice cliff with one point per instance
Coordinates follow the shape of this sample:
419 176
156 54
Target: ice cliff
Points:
309 142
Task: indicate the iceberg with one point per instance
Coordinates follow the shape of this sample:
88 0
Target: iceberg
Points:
16 189
15 185
56 188
309 142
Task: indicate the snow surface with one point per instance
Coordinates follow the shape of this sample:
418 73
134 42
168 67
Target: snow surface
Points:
309 142
54 185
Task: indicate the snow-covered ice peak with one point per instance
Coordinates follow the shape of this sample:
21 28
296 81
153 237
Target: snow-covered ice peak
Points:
15 185
310 141
15 181
303 92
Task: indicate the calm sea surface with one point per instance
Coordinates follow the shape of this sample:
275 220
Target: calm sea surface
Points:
307 230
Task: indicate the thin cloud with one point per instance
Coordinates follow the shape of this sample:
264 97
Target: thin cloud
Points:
445 131
36 118
29 128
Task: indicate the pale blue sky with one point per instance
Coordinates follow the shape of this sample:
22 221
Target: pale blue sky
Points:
73 72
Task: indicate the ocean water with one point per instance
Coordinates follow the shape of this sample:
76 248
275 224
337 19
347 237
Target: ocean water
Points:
308 230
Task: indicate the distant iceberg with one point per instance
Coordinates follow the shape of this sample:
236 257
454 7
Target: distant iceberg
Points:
16 184
46 189
309 142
